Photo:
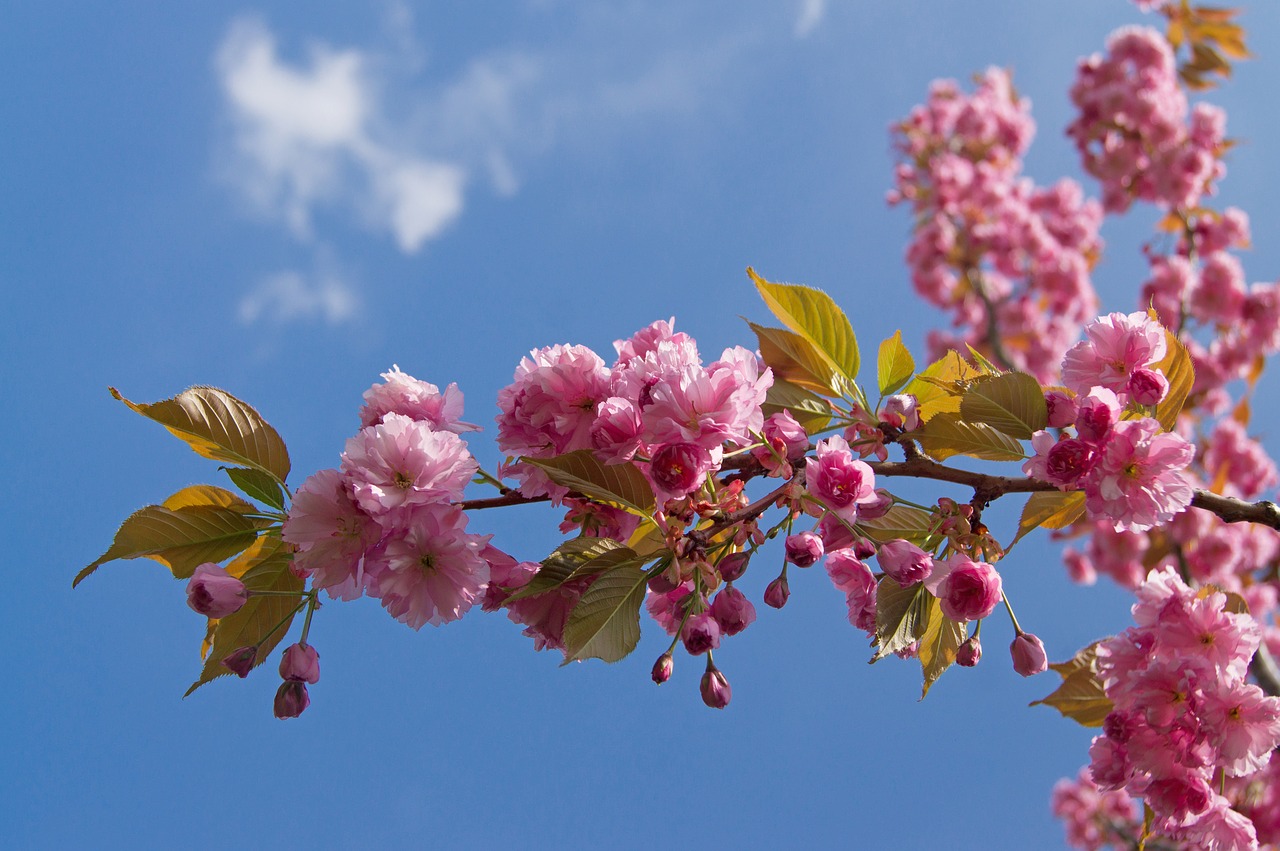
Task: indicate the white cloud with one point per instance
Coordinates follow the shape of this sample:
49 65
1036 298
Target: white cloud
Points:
304 136
811 14
289 297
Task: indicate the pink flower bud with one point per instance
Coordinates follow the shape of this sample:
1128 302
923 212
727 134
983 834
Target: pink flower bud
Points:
291 699
905 563
777 593
902 412
701 633
240 662
863 549
732 611
878 506
1062 408
1096 414
1147 386
1028 655
213 593
803 549
715 689
969 653
785 441
300 663
663 667
732 566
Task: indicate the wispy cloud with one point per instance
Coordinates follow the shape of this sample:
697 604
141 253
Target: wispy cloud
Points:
305 136
811 14
290 297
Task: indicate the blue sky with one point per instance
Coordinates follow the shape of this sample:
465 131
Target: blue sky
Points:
284 199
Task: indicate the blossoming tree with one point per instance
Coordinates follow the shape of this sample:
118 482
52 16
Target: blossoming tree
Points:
1129 432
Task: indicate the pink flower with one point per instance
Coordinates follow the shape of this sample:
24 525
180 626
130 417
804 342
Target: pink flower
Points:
1115 347
1220 828
837 480
402 462
1147 386
648 339
662 668
403 394
300 663
1062 408
904 562
715 689
1096 414
902 412
969 653
332 535
430 570
1028 655
615 434
700 634
550 406
732 566
1243 724
785 441
291 699
667 607
968 590
1137 482
852 576
803 549
678 469
214 593
732 611
1061 463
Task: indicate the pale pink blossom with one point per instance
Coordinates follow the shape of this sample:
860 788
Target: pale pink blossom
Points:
852 576
648 339
550 406
785 441
1115 346
904 562
332 535
615 434
1243 724
901 411
1138 480
401 462
400 393
1096 413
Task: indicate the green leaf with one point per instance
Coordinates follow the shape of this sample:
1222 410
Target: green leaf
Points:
1012 402
1080 697
219 426
809 409
617 484
946 435
574 558
1052 509
894 366
263 567
793 358
902 616
815 316
900 521
1181 375
605 624
182 538
939 387
257 484
939 643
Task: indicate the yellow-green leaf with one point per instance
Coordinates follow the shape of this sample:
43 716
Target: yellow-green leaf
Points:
219 426
1080 697
1181 375
257 484
900 521
939 387
809 409
1051 509
946 435
902 616
793 358
195 495
574 558
813 314
941 639
180 539
263 567
617 484
1012 402
605 623
894 365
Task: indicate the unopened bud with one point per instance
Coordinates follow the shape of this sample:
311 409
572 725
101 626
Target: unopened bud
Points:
777 593
240 662
969 653
214 593
1028 655
300 663
716 692
863 549
733 566
291 699
663 667
803 549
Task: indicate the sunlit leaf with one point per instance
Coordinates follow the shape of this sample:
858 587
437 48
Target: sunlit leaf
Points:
813 314
794 359
946 435
181 539
264 620
572 559
900 521
941 639
1012 402
257 484
1051 509
809 409
894 365
618 484
939 387
219 426
902 616
1080 697
605 624
1181 374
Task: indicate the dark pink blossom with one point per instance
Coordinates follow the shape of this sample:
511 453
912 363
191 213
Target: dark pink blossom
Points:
300 663
701 633
291 699
803 549
662 668
969 653
715 689
837 480
968 590
732 611
777 593
240 661
214 593
785 441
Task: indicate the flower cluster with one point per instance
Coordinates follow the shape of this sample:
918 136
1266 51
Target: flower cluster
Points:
1133 130
1131 470
1007 258
1093 818
383 523
1183 713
